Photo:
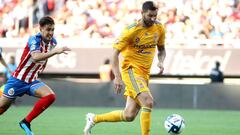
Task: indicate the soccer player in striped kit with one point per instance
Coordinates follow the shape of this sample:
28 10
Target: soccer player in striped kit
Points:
39 48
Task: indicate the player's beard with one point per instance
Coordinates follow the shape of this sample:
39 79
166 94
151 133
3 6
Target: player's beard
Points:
147 23
47 39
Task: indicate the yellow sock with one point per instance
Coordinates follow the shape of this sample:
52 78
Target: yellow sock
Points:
145 119
114 116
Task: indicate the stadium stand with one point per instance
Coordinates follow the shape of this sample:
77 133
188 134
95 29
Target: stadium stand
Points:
183 19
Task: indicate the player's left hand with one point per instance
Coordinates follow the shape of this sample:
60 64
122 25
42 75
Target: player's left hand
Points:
160 65
64 50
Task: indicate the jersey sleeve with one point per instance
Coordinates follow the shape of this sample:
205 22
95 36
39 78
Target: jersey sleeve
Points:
123 40
161 40
5 70
34 44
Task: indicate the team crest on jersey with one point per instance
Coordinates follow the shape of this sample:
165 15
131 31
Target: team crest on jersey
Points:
11 92
52 46
137 40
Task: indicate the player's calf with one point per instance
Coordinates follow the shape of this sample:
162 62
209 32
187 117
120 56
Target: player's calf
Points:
3 108
129 117
5 103
2 111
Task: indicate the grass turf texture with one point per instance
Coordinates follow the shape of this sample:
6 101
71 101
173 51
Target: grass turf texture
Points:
71 121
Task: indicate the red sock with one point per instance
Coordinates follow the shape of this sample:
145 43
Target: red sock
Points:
40 106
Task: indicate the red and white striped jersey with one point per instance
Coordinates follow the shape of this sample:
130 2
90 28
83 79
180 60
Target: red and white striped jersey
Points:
27 69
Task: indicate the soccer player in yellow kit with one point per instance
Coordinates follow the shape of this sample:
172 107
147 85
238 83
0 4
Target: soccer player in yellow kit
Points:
137 45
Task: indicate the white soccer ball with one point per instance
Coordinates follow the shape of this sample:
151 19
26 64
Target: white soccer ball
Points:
174 124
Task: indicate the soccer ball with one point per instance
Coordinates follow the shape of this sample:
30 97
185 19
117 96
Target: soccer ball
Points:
174 124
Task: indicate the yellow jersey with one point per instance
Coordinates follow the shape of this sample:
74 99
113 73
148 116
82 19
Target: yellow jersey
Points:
137 45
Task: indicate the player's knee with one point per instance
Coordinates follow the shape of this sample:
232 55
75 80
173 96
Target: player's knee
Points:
51 97
148 103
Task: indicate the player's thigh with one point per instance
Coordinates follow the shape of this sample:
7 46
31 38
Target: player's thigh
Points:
132 107
5 102
42 91
134 83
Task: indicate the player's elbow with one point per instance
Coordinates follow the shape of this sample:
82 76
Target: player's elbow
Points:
36 57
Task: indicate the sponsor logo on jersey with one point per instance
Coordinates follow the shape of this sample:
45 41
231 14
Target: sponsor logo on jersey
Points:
137 40
144 46
33 45
143 52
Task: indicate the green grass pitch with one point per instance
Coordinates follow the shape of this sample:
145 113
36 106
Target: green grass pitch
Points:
71 121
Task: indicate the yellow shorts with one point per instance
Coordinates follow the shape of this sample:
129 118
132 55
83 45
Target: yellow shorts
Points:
134 83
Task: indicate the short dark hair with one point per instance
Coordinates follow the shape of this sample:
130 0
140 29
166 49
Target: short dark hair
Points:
149 5
45 21
217 63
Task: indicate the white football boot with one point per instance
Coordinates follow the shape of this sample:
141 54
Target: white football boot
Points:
89 123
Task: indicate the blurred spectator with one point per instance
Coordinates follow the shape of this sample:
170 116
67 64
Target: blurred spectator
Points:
216 75
48 7
189 19
12 66
105 71
2 61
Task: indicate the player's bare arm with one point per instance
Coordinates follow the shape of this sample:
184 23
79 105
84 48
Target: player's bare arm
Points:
37 56
118 84
161 56
5 64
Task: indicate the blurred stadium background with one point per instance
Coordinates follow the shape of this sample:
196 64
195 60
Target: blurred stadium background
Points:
198 33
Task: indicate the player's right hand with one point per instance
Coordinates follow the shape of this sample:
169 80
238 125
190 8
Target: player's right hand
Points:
161 68
118 85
